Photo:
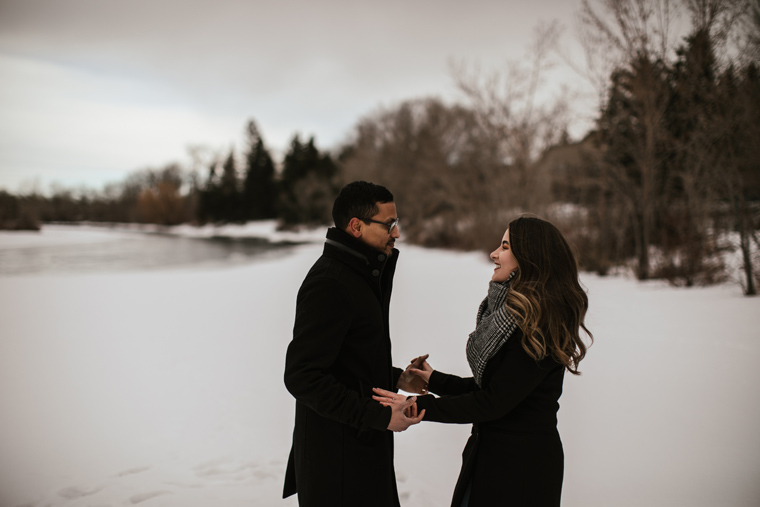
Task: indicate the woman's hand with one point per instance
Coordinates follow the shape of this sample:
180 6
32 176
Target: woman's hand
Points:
420 367
412 382
404 410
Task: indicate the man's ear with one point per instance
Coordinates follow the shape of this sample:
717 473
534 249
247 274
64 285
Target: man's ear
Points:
355 227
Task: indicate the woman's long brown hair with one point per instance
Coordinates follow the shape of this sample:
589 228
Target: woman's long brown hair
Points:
545 293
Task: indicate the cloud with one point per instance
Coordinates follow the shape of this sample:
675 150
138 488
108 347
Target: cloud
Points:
67 126
145 78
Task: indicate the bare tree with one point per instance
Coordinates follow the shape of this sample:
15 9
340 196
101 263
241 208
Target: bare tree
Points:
633 40
444 172
749 34
727 24
739 158
619 31
160 201
518 118
633 131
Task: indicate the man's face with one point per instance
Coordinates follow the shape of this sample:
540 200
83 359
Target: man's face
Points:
377 235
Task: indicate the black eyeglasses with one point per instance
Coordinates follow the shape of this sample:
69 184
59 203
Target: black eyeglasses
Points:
390 225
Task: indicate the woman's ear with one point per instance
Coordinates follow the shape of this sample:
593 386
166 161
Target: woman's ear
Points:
355 227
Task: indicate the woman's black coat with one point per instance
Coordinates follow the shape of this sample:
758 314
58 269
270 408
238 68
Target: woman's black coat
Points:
342 453
514 456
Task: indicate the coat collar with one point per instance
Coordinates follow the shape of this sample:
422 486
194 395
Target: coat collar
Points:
341 244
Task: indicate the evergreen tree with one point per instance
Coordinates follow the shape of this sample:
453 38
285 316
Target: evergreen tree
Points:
739 161
689 250
308 185
632 130
220 200
229 194
260 189
300 160
208 197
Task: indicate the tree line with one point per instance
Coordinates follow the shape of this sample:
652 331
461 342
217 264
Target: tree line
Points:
675 176
666 182
234 190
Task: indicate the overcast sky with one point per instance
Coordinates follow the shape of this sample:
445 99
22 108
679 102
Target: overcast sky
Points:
91 90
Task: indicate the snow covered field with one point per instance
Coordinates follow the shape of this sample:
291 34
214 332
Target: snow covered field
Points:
164 387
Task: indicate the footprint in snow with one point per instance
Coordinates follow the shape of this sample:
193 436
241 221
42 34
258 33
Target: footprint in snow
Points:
141 497
132 471
225 470
74 492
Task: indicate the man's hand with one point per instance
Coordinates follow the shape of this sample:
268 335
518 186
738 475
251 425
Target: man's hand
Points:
412 382
404 411
420 367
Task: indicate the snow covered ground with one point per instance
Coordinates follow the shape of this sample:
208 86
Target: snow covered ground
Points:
164 388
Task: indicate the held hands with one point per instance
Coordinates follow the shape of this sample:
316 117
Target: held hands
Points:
404 411
413 379
421 369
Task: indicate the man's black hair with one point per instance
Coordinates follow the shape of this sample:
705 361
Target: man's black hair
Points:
358 199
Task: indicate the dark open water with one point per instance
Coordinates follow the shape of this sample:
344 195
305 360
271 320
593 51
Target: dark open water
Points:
135 251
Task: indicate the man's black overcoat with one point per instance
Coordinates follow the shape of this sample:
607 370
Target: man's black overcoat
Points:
342 453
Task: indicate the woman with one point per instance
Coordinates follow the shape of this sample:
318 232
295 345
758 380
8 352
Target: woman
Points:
527 335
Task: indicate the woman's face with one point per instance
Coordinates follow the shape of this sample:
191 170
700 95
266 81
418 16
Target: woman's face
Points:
504 260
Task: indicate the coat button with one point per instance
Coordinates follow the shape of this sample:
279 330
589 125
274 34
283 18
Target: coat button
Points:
375 272
381 257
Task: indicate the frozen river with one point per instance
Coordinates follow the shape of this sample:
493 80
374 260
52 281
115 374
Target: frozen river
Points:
81 249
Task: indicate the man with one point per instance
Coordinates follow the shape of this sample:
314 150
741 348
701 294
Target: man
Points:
342 453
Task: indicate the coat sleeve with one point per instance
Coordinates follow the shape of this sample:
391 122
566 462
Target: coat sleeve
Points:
517 374
445 384
322 323
395 375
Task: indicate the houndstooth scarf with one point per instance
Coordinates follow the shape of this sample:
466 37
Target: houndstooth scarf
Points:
494 325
